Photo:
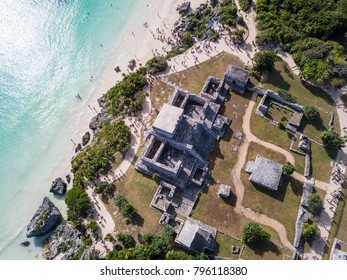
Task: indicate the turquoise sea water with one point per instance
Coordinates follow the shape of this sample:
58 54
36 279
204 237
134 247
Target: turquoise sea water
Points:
48 51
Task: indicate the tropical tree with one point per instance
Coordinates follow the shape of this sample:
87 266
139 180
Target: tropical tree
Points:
288 168
310 231
263 61
77 200
252 233
311 113
332 139
314 203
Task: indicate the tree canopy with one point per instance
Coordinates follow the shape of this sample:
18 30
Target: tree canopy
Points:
252 233
310 231
315 203
263 61
332 139
311 113
77 200
310 31
288 168
156 64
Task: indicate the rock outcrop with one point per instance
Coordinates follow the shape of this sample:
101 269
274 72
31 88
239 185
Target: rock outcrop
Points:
68 178
86 138
58 187
66 243
78 148
25 244
46 219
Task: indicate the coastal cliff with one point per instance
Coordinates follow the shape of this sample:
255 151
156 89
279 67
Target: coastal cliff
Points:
66 244
46 219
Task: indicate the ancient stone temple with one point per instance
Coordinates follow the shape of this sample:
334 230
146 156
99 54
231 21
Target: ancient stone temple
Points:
236 78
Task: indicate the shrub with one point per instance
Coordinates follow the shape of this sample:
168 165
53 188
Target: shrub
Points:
281 125
245 4
124 207
311 113
127 240
314 203
109 237
286 95
227 13
288 168
252 233
156 64
310 231
283 118
237 36
77 201
263 61
104 188
188 40
332 139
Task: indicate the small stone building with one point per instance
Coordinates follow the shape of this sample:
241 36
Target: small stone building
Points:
265 173
197 237
236 78
224 191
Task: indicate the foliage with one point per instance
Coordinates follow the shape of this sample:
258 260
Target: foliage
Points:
252 233
306 29
237 35
104 188
286 95
92 226
227 13
155 246
77 201
188 40
332 139
315 203
180 255
156 64
263 61
311 113
281 125
283 118
95 157
127 240
310 231
288 168
124 207
126 96
173 52
109 237
199 20
213 37
245 4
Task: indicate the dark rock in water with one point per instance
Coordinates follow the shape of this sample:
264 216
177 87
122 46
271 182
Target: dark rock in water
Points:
58 187
46 219
78 148
86 138
25 244
68 178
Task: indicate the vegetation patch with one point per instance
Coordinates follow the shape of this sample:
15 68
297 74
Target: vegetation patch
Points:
307 30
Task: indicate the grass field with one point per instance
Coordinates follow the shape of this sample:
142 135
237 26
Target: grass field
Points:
194 78
281 205
321 159
224 244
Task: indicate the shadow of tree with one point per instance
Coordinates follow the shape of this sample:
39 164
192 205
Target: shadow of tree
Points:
261 247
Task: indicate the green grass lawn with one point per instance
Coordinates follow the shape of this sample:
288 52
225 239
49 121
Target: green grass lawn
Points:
321 159
224 244
283 77
194 78
138 190
266 250
281 205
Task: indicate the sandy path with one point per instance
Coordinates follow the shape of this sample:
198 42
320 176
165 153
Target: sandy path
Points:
236 173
